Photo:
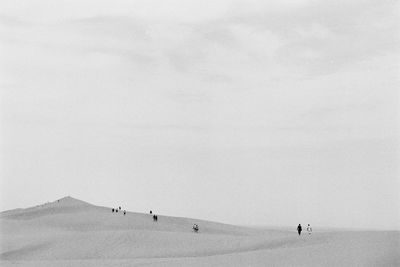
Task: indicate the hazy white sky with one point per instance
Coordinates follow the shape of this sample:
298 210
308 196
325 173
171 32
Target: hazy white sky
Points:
246 112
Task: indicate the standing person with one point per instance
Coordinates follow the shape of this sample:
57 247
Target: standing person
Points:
309 229
299 229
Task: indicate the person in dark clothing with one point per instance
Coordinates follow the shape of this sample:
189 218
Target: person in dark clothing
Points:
151 212
112 210
154 218
124 212
119 208
299 229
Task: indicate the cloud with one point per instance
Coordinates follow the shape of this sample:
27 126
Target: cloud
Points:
301 38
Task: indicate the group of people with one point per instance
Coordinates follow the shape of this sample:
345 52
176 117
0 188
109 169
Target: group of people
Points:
119 209
299 229
196 227
155 218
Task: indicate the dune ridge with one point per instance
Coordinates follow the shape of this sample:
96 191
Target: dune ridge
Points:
71 232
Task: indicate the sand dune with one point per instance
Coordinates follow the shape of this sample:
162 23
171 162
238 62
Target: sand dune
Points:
70 232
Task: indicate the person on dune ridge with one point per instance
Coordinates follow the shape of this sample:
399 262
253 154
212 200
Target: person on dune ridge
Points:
309 229
299 229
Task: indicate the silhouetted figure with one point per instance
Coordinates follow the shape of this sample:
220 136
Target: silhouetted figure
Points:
299 229
309 229
119 208
195 228
124 212
154 217
112 210
151 212
116 210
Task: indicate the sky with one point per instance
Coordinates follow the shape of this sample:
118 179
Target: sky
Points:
245 112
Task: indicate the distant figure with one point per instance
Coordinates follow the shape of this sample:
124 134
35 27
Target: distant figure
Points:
299 229
116 210
154 218
119 208
112 210
151 212
309 229
195 228
124 212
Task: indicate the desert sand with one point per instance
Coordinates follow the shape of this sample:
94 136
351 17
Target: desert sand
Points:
71 232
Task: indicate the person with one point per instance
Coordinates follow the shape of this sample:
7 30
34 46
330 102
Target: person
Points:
195 228
112 210
124 212
119 208
154 217
309 229
151 212
299 228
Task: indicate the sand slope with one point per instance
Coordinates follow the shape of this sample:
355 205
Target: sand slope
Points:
70 232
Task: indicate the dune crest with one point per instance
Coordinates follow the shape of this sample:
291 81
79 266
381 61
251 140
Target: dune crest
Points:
71 232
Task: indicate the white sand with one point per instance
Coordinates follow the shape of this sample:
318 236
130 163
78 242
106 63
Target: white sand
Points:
70 232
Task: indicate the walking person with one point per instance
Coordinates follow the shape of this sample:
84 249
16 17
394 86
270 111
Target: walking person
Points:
299 229
309 229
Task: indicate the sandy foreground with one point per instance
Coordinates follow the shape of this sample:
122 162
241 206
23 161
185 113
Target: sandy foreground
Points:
70 232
